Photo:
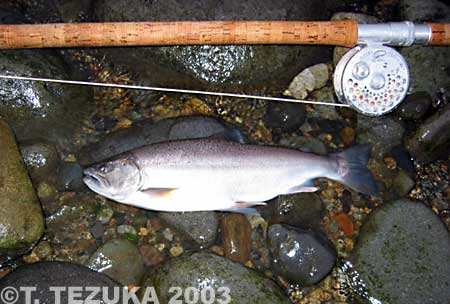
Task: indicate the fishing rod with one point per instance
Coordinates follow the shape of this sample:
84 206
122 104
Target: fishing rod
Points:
372 78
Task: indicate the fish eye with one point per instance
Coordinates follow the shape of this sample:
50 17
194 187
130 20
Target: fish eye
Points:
104 168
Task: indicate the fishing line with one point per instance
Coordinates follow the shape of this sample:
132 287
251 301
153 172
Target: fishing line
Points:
159 89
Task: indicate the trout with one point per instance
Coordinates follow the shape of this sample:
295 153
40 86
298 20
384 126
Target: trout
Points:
212 174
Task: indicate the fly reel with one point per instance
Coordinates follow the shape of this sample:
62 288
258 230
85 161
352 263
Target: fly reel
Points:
373 79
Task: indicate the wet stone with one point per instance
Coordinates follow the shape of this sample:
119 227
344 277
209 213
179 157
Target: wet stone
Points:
431 141
284 116
70 176
236 237
304 210
38 110
403 183
41 160
97 231
402 254
206 270
237 65
118 259
403 158
47 275
415 106
382 132
151 255
201 227
21 218
305 144
301 256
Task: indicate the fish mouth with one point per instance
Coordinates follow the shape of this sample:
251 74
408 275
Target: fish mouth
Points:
92 180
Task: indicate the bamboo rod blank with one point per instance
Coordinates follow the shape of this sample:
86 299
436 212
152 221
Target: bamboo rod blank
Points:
344 33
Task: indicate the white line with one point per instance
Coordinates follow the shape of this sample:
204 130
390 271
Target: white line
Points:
135 87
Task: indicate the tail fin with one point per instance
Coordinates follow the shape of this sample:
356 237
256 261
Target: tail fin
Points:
353 171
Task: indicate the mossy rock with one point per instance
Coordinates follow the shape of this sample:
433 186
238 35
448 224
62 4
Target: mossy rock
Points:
21 219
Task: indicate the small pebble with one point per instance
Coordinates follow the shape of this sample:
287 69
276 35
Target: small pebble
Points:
151 255
176 251
236 237
105 214
46 192
126 229
348 136
168 235
97 230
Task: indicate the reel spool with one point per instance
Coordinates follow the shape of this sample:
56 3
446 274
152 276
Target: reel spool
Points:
373 79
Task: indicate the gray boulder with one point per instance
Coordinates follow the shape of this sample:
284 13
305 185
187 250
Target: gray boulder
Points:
206 270
46 276
402 255
201 227
120 260
301 256
38 110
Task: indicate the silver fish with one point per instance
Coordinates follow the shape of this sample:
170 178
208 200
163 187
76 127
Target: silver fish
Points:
212 174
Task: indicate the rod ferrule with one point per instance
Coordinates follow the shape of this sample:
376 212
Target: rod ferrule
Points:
394 33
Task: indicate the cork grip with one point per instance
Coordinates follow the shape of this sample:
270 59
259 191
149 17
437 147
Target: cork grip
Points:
342 33
440 34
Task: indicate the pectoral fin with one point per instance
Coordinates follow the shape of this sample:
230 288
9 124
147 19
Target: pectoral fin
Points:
159 192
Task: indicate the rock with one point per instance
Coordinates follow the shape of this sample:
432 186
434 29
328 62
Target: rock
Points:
148 133
326 94
306 144
228 64
21 219
46 192
403 158
304 210
199 226
402 254
104 214
176 251
70 177
382 132
47 275
41 160
206 270
403 183
120 260
415 106
38 110
151 255
431 141
236 237
97 230
301 256
310 79
339 51
348 136
126 229
416 10
285 116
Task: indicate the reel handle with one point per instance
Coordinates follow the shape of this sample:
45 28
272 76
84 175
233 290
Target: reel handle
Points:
440 34
342 32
